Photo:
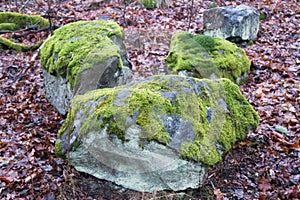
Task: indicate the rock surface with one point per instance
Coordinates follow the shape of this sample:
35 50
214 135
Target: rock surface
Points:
203 56
156 134
83 56
232 22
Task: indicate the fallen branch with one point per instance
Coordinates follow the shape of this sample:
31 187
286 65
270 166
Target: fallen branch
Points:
34 31
19 47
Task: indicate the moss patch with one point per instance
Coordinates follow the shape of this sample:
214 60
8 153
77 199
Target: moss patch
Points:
205 55
77 46
227 126
58 148
217 125
150 4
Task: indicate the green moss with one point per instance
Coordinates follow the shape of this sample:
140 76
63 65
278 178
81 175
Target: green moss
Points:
204 55
77 46
212 5
231 60
8 26
200 151
16 21
58 148
114 128
10 21
18 47
64 127
149 4
75 145
262 16
207 42
100 52
161 137
150 104
224 130
250 42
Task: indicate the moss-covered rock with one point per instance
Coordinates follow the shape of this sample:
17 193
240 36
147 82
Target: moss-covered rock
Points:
16 21
69 48
204 56
217 112
155 134
86 55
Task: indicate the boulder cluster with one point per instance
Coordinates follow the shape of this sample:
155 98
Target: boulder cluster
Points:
159 133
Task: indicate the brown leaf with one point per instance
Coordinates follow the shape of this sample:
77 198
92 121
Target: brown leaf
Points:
264 184
218 194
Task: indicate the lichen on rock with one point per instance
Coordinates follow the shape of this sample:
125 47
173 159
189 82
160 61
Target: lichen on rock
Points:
203 56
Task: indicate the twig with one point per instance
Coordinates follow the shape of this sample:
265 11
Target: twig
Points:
69 159
19 47
48 15
24 5
15 36
126 3
212 184
190 10
8 161
25 29
65 17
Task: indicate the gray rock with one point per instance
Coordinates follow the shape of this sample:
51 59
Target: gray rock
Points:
156 167
91 57
58 92
232 22
156 134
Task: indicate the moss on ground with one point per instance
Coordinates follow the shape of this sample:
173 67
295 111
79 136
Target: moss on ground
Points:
145 103
77 46
204 55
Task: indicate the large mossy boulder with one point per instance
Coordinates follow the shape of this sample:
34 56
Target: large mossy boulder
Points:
203 56
83 56
157 134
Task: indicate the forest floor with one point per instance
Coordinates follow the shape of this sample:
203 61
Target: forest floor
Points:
264 166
